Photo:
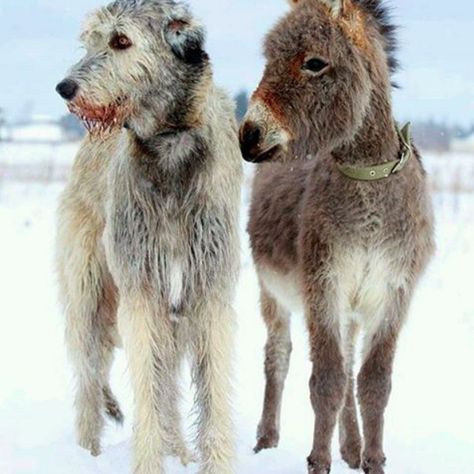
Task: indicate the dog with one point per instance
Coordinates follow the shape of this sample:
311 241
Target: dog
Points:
147 238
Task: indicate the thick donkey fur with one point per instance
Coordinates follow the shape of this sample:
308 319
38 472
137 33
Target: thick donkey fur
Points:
147 246
347 253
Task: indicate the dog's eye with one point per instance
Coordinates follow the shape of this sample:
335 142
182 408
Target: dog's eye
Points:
120 41
315 65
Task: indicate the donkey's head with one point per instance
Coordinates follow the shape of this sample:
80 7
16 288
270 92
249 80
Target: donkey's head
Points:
327 61
144 64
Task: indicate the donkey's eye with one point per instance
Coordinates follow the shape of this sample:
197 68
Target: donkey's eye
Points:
315 65
120 41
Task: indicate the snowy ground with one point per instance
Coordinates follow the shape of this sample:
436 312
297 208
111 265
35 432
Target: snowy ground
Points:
430 420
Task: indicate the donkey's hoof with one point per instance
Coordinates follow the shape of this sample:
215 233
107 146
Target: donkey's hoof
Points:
373 466
267 440
374 470
352 455
318 467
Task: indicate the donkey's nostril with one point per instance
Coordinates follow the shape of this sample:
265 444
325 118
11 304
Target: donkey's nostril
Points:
250 135
67 89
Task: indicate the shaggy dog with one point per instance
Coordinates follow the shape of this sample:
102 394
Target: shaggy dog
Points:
147 242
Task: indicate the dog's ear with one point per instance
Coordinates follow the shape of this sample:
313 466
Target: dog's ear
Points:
186 38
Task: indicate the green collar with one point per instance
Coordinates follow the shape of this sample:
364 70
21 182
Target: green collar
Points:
385 170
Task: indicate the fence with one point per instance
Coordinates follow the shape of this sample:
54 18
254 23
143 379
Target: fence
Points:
51 162
41 162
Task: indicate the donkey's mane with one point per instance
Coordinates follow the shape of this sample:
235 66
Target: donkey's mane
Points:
381 13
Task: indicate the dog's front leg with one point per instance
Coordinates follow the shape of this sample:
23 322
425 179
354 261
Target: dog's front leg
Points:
212 344
151 349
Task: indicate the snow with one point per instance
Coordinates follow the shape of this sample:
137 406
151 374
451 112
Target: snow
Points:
46 154
429 422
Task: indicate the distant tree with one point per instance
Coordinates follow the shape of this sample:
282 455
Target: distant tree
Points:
433 136
72 127
242 101
463 132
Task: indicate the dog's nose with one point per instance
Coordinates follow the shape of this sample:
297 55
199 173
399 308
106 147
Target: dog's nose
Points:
67 89
250 135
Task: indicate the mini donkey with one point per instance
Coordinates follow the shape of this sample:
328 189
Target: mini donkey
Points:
148 244
343 237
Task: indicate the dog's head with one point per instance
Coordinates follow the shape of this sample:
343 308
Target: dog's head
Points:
144 64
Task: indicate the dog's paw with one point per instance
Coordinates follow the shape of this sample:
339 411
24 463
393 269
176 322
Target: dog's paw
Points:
91 445
184 455
112 407
113 411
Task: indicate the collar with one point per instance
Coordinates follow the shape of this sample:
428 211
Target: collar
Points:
384 170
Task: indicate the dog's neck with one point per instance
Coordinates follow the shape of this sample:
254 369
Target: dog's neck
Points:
160 116
164 142
169 162
151 127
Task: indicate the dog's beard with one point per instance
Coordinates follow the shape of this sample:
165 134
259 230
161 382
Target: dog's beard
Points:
101 120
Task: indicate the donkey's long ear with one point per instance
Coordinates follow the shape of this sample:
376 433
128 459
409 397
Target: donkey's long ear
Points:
186 38
338 7
293 3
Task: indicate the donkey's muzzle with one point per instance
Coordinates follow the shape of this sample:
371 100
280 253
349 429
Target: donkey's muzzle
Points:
67 89
250 135
253 146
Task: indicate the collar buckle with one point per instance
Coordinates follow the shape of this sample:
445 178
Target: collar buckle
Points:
384 170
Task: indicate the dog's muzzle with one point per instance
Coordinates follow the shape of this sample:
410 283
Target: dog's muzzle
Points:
67 89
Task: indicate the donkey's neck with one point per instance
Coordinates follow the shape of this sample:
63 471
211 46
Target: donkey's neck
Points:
376 141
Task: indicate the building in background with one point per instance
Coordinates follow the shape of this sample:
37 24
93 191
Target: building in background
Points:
36 130
41 129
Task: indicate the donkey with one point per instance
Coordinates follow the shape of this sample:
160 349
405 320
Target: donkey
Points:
341 223
148 247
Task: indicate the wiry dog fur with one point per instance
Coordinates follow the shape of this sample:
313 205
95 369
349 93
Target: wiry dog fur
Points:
147 232
348 253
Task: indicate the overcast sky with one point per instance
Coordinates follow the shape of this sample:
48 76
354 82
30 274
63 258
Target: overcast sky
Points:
38 42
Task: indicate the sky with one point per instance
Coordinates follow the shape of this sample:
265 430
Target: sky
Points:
38 42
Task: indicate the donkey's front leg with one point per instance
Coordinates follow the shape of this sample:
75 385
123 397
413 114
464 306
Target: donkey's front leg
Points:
349 434
212 334
327 383
375 380
277 361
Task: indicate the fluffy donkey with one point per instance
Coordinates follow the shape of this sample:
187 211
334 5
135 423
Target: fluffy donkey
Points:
147 232
345 236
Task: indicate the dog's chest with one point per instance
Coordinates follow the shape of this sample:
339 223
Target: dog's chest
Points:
162 243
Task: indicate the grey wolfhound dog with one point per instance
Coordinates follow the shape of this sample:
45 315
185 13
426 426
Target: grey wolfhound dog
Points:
148 248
